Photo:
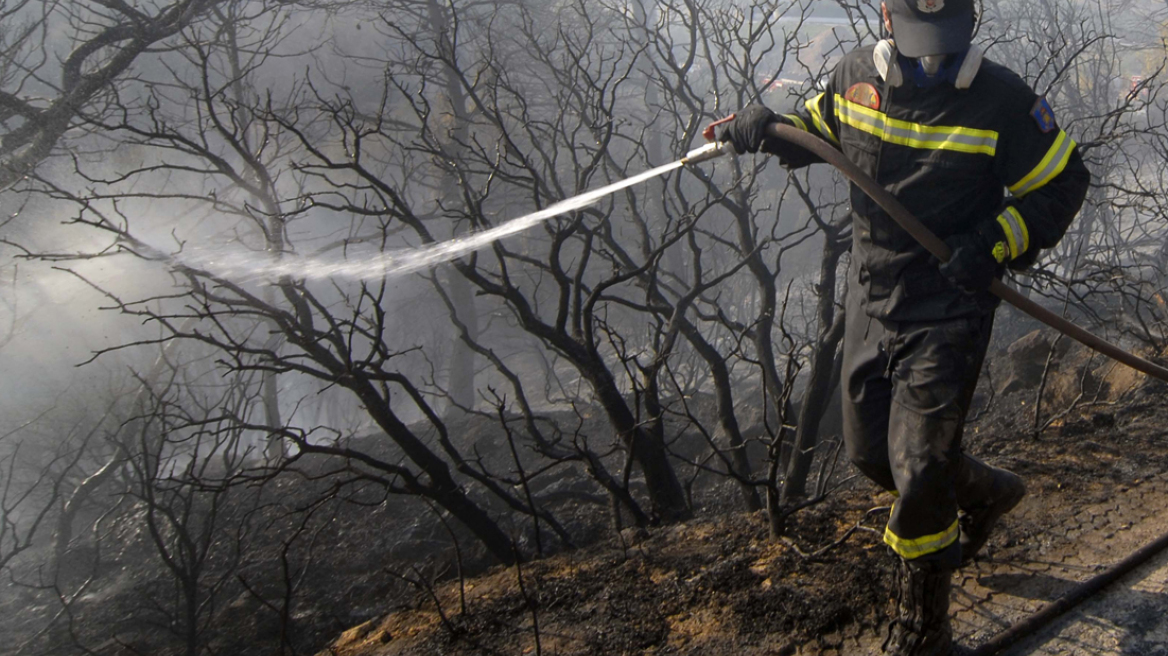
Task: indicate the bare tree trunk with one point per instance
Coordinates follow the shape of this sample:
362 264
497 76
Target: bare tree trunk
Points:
441 486
63 534
815 403
666 496
727 417
763 330
274 450
461 381
819 386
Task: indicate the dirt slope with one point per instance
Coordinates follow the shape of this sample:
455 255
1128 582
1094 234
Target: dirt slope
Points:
706 587
1099 490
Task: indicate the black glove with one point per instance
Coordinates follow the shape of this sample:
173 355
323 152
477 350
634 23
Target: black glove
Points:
748 129
977 257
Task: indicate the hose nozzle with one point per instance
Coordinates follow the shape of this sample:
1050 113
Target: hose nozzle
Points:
707 152
712 150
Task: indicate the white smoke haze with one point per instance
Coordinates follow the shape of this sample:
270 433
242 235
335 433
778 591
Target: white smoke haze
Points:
294 60
246 238
57 322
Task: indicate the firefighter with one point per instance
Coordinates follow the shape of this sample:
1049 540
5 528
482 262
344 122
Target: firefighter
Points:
979 158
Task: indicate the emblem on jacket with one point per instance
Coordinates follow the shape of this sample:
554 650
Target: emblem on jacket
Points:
864 94
929 6
1043 115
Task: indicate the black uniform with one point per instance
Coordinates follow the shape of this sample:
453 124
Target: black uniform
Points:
915 342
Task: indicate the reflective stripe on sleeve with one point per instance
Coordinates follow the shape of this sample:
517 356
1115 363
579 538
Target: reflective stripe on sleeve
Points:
796 121
1051 165
1017 234
916 547
813 108
915 135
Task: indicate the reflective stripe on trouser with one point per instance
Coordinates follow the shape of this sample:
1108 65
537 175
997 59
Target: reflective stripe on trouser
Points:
906 389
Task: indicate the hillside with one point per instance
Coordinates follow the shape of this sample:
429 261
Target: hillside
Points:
374 577
1098 485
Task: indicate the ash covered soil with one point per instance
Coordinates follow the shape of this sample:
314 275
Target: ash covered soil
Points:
704 587
719 584
1098 483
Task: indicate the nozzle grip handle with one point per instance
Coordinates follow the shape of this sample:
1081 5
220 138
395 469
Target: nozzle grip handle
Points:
708 133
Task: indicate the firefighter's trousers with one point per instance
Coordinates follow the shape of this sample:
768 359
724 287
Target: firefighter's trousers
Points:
906 389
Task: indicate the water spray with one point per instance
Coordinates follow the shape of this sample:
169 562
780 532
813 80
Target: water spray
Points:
381 265
242 265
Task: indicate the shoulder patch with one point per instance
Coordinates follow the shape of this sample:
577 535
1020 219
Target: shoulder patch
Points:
1042 114
863 93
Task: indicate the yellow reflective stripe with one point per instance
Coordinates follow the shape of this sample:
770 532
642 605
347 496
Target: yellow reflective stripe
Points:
817 117
1051 165
1017 234
798 122
915 135
1009 236
1025 231
922 546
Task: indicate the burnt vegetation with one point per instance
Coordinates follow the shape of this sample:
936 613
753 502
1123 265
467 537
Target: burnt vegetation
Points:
269 456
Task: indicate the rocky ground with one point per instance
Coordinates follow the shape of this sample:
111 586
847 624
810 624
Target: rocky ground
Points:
1098 481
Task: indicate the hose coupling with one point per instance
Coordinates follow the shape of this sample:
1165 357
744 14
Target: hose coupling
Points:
707 152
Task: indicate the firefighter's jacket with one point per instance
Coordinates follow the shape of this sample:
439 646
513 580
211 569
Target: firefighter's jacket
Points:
985 148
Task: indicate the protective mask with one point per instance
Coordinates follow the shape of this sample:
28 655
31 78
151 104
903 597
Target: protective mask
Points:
893 68
930 64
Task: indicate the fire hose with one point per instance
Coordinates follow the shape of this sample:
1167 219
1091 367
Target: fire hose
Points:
941 251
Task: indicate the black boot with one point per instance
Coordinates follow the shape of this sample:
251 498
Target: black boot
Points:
921 626
984 493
